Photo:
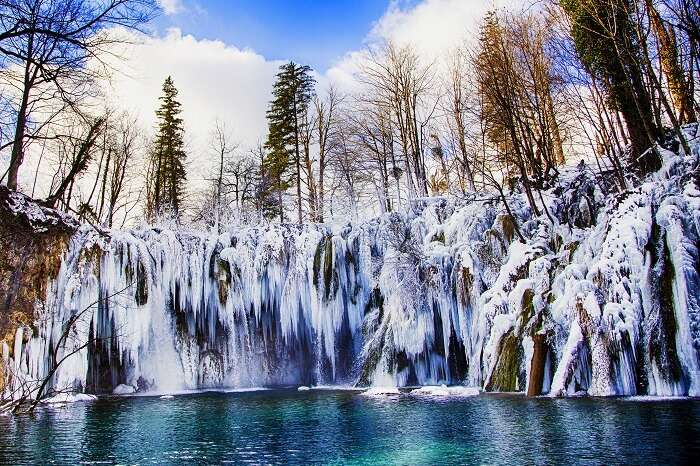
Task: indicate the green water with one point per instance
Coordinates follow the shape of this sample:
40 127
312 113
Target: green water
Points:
331 427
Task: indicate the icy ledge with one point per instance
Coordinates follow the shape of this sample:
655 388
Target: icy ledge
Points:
381 392
63 398
445 391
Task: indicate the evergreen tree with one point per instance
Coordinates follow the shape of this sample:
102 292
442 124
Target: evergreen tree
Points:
292 93
167 176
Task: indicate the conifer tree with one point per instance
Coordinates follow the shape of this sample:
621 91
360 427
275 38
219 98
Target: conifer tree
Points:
167 176
292 93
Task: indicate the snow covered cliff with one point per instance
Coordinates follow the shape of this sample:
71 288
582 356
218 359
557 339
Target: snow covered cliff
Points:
602 297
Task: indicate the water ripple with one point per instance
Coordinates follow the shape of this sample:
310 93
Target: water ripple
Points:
329 427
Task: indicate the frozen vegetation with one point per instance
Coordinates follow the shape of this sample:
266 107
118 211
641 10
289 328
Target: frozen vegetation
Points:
602 298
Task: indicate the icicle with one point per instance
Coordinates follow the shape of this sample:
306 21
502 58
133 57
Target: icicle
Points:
446 293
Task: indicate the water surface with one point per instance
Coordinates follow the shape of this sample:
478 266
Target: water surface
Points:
332 427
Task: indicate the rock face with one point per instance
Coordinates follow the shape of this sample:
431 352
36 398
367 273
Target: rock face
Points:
32 242
604 299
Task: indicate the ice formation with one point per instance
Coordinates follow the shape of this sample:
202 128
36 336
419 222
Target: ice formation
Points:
602 298
443 391
63 398
381 392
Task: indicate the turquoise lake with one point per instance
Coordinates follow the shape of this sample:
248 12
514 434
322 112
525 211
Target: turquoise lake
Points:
342 427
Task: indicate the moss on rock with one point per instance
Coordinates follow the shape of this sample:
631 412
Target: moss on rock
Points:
505 374
465 290
318 255
506 224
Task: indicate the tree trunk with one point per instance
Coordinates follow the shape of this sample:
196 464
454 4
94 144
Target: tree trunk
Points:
321 180
219 182
297 160
635 106
17 156
279 197
313 204
539 359
554 128
461 135
157 195
103 188
668 55
78 166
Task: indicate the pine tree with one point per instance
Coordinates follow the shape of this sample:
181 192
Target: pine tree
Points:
167 174
292 93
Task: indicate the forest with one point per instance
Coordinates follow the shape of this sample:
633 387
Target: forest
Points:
608 82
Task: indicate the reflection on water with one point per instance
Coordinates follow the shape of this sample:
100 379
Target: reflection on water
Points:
283 427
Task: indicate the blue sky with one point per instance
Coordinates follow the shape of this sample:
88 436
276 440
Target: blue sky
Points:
312 32
224 54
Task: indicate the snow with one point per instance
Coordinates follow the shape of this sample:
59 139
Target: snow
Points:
39 217
381 392
426 297
63 398
445 391
123 389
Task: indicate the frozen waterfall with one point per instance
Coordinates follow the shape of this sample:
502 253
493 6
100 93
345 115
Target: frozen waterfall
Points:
602 300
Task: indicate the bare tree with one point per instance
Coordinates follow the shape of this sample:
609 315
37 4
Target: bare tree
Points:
120 187
370 127
326 109
456 90
241 177
396 78
307 184
670 51
222 145
53 51
348 175
78 154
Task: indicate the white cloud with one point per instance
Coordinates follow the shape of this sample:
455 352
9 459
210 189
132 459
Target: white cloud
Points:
215 80
170 7
218 80
432 27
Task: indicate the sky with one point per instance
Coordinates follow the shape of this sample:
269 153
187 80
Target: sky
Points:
223 55
314 32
